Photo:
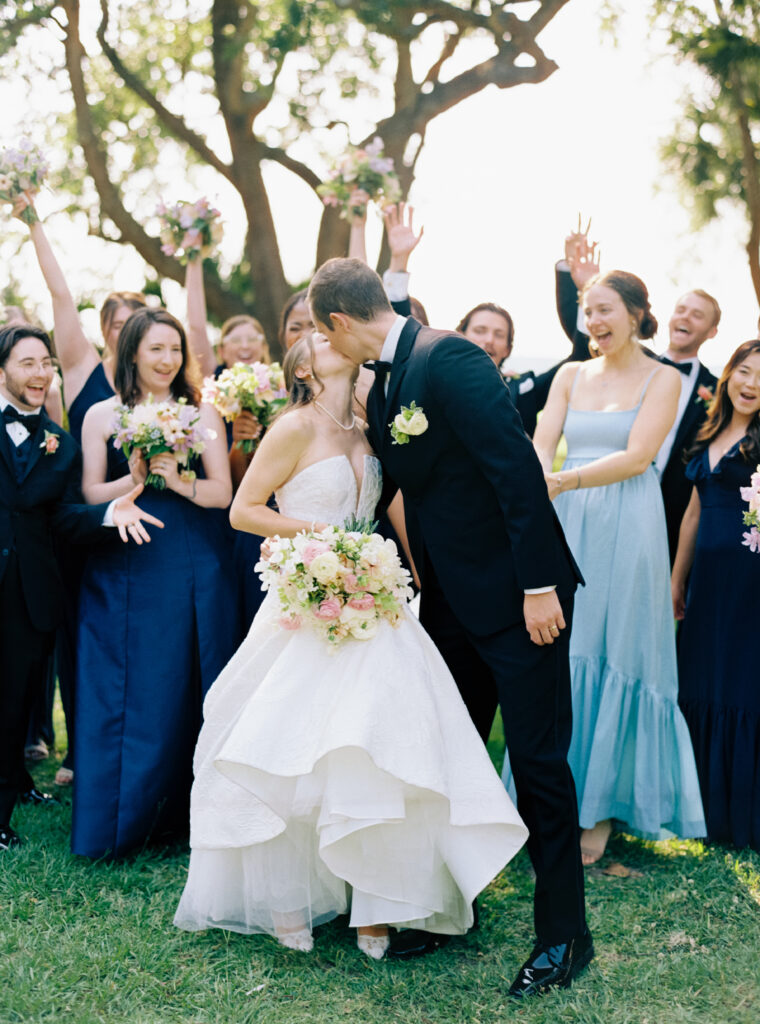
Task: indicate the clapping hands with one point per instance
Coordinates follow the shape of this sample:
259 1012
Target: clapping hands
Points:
582 256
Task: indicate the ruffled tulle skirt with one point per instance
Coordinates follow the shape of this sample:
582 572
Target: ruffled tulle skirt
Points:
352 779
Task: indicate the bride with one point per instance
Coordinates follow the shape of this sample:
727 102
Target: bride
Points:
335 780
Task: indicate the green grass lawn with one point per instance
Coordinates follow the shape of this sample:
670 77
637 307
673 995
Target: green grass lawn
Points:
678 940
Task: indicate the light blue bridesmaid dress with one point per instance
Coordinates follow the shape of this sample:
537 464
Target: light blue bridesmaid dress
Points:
630 753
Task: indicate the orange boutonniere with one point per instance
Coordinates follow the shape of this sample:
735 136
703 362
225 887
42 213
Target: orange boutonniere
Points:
705 395
51 442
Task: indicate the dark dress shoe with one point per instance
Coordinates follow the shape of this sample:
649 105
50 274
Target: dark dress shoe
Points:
8 838
553 966
413 942
34 796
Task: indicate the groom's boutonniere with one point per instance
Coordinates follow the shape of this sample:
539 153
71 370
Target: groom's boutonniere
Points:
51 442
705 395
410 422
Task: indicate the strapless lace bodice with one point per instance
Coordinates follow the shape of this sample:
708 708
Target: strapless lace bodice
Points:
326 492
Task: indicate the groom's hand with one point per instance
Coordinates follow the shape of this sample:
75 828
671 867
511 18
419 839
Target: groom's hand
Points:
543 617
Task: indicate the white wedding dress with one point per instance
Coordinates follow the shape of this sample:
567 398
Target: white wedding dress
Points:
354 778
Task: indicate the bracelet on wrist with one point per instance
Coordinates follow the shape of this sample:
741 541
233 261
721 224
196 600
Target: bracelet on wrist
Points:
577 479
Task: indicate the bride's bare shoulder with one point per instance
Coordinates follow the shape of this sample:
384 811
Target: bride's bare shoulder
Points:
293 425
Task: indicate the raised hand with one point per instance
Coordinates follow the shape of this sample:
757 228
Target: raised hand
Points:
582 256
402 241
129 518
20 204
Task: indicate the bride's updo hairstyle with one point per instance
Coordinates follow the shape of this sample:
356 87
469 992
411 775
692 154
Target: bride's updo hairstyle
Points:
635 296
301 390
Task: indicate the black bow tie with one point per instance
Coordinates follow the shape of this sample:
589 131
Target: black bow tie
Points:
684 368
378 366
29 420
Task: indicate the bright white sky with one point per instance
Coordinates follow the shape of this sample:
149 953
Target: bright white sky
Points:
500 182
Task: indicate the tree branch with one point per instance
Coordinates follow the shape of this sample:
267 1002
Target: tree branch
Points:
173 122
132 232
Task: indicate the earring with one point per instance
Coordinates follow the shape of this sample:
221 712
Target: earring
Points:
634 331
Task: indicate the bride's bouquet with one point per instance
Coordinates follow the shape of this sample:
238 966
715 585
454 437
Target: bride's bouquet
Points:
257 388
22 170
189 230
158 427
751 494
340 583
365 169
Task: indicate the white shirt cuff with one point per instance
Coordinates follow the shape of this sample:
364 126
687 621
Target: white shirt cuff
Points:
541 590
563 265
396 284
108 514
580 322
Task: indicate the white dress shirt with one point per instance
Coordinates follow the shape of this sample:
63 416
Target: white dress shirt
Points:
387 353
687 386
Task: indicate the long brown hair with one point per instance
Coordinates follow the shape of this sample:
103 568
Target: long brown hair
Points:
721 410
132 333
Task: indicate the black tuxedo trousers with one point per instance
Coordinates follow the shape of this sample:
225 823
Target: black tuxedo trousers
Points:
482 531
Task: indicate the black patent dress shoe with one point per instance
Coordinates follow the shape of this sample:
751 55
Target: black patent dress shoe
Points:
34 796
413 942
553 966
8 838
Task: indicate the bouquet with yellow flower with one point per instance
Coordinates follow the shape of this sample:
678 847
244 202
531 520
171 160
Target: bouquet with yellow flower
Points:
366 169
158 427
259 388
340 583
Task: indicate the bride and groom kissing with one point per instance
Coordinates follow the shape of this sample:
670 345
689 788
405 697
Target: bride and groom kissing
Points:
497 585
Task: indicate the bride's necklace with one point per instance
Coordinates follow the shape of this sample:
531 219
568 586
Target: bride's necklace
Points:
335 419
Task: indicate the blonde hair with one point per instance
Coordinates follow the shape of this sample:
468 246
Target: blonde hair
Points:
239 320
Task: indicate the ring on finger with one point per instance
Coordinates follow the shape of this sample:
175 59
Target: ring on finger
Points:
554 628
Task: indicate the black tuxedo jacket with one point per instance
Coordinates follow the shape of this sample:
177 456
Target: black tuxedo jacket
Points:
676 488
477 508
47 499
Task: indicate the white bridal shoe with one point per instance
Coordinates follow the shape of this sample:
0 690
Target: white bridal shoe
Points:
375 946
302 940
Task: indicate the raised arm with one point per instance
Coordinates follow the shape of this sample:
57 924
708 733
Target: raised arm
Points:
653 421
357 242
77 355
197 329
276 459
687 542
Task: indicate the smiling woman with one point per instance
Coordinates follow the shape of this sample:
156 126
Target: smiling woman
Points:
155 627
716 651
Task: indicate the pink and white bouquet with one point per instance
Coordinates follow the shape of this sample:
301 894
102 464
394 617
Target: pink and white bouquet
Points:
189 230
22 170
158 427
258 388
340 583
365 169
751 495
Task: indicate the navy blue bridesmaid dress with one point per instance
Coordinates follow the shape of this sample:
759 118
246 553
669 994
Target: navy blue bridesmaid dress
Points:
717 654
158 622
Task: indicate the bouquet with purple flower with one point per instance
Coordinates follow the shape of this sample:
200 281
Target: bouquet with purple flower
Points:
22 171
365 169
751 495
158 427
189 230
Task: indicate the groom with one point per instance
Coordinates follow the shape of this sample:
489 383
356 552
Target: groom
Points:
497 576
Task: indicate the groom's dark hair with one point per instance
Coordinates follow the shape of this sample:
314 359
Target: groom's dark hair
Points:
347 286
